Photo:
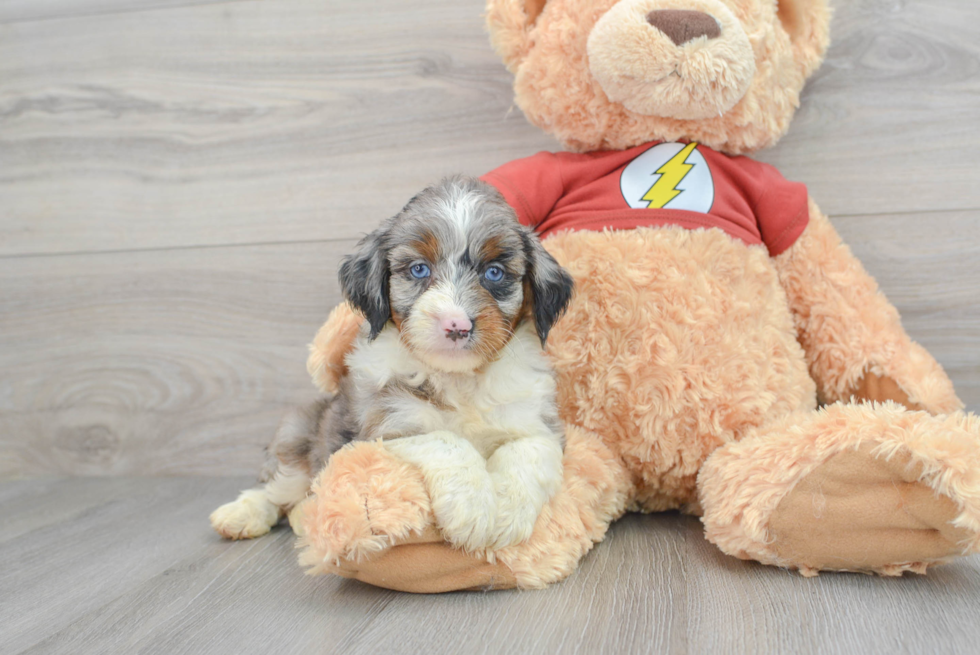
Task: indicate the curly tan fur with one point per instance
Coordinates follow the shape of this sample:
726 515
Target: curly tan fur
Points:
365 500
630 369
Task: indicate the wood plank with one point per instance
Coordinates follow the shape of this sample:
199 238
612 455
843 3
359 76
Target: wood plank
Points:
225 597
653 585
164 362
21 11
241 123
57 573
182 361
885 123
266 122
744 607
40 502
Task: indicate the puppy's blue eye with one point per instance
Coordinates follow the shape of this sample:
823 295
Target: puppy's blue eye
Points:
420 271
494 274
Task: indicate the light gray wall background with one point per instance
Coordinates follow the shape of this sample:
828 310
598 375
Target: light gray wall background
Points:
179 178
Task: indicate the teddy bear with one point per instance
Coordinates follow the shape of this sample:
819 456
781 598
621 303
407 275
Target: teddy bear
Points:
725 354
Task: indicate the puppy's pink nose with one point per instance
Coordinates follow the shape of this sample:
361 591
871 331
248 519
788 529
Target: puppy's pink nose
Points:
456 326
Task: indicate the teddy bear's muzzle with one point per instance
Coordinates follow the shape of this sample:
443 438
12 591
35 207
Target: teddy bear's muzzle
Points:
685 59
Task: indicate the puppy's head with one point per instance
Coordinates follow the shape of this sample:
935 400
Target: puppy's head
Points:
456 274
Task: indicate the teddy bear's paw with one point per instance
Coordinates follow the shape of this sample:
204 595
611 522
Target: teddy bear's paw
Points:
362 503
250 515
868 509
855 487
426 563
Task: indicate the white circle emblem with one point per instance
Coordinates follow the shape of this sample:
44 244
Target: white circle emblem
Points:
669 176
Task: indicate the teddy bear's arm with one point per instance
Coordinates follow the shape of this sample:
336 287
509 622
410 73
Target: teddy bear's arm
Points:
853 338
330 346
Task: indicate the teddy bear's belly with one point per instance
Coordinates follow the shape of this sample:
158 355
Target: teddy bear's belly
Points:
676 342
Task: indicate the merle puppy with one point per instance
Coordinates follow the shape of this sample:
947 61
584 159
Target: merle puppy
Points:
448 370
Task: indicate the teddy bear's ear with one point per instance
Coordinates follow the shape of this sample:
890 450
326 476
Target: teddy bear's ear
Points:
807 22
509 22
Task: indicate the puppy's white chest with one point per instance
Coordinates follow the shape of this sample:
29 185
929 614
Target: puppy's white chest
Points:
505 400
484 413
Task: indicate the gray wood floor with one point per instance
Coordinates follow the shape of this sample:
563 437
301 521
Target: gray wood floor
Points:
130 566
178 181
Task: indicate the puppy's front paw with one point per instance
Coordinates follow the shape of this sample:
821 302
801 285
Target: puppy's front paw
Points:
459 486
250 516
513 524
295 517
526 473
466 517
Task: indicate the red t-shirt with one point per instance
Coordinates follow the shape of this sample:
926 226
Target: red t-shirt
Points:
683 184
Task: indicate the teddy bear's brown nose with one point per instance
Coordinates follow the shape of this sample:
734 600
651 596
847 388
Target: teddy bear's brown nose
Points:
683 25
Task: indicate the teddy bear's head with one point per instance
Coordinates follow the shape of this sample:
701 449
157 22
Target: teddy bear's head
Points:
612 74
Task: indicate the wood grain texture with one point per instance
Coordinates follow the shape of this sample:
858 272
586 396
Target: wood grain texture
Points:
159 362
242 122
888 123
246 122
102 578
21 11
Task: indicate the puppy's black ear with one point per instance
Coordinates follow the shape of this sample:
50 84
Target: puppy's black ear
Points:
364 280
551 286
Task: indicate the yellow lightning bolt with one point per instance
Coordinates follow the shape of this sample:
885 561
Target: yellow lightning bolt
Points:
665 188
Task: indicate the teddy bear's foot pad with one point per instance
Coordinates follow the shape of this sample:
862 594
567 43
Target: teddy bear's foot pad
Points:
861 510
426 563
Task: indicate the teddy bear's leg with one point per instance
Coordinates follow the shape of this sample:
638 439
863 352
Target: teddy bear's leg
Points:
370 518
869 487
